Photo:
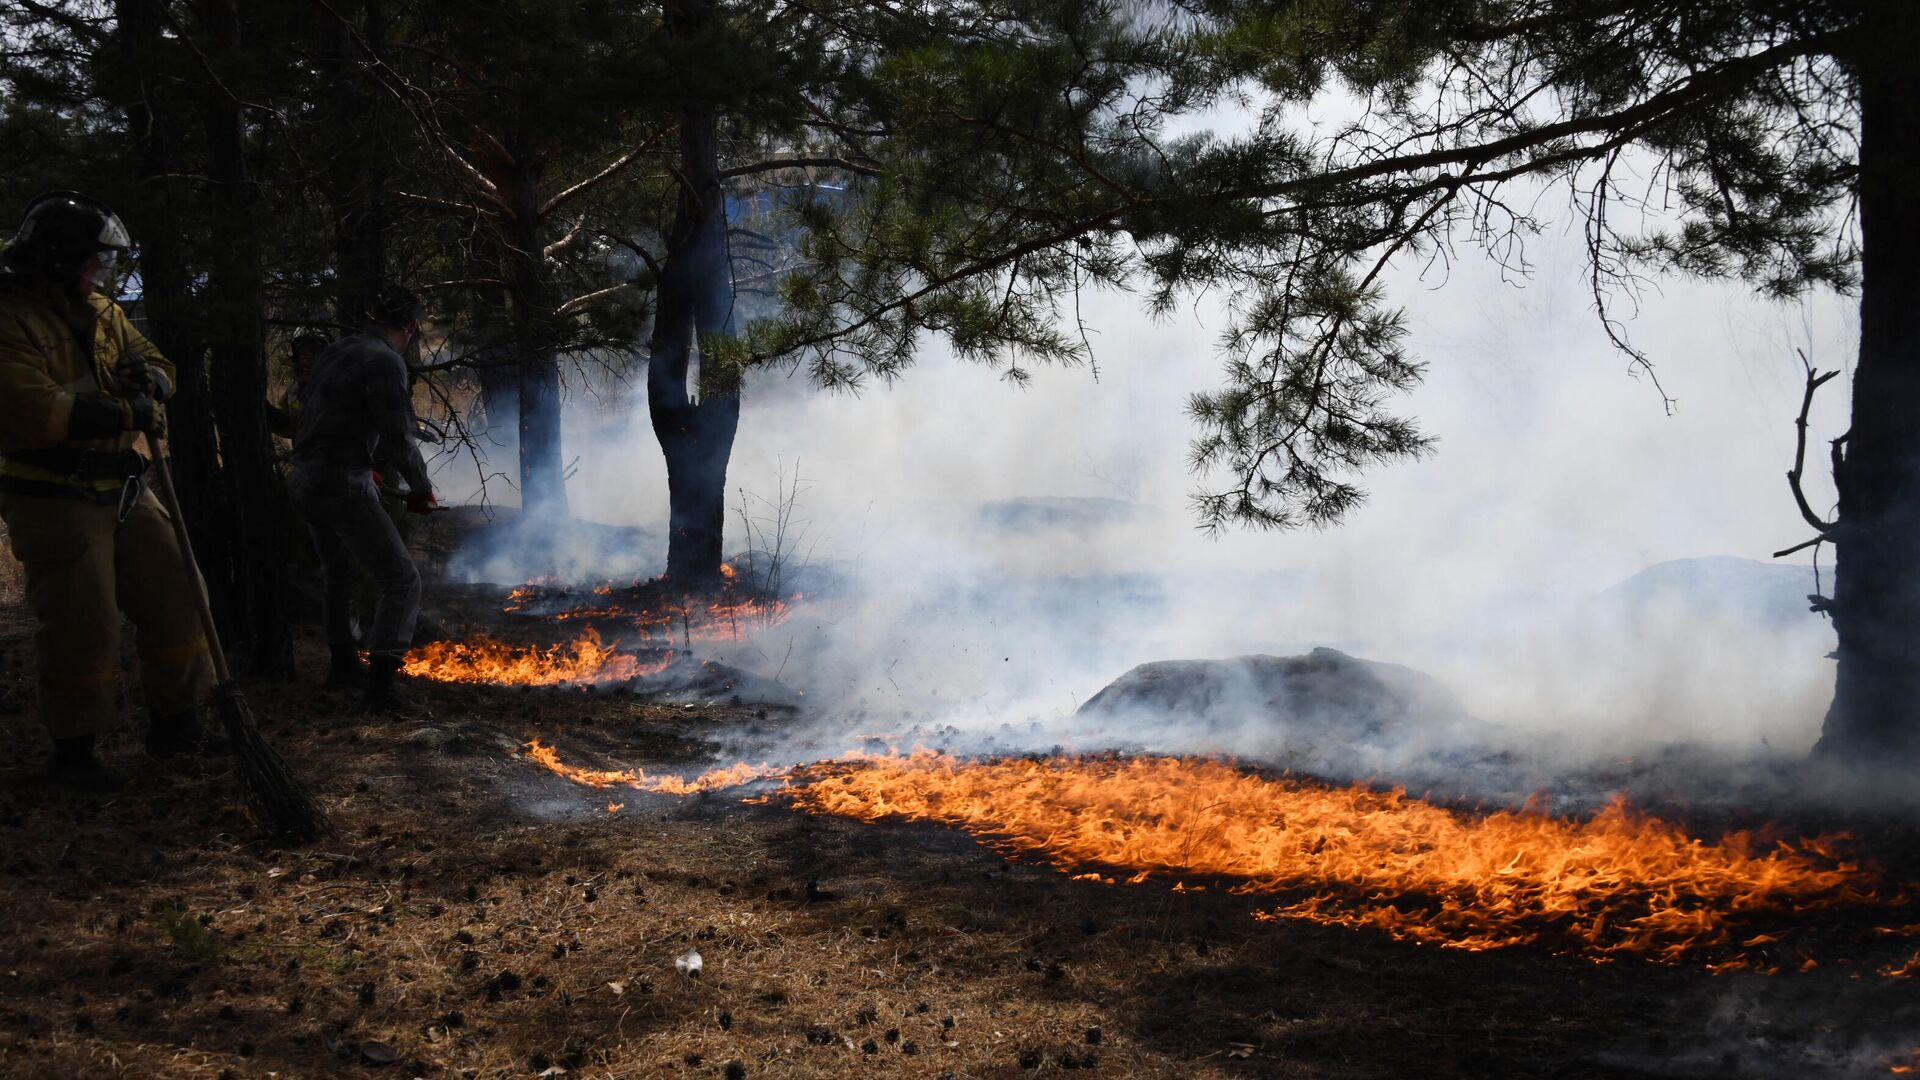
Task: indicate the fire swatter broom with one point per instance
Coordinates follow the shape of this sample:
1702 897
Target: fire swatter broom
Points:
275 798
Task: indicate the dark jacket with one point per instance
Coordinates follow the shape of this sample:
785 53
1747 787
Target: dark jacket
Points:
356 412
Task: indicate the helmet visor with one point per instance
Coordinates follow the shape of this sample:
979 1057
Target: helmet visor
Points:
101 269
113 234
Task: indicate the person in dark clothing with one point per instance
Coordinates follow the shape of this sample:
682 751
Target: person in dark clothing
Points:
355 410
283 417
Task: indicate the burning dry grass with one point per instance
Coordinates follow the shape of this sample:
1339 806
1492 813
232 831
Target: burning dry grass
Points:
653 610
485 922
1617 884
647 613
584 661
638 780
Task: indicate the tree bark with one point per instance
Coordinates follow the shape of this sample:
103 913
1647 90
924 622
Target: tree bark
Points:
543 485
694 299
1875 715
358 182
255 498
158 221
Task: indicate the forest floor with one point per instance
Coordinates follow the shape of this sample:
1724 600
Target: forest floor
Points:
478 916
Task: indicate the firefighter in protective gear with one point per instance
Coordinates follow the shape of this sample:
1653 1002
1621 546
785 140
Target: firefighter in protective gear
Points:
78 385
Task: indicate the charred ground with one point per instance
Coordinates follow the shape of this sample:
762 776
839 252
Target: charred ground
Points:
479 917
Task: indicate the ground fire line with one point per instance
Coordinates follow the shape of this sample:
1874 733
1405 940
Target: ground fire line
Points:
653 610
646 620
586 660
1617 884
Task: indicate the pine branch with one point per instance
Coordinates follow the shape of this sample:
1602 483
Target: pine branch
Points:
584 301
572 236
598 178
92 31
463 209
775 164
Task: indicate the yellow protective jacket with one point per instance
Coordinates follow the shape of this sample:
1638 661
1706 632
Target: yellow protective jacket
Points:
53 348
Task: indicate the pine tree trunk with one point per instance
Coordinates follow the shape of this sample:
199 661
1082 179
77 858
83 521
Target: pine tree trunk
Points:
167 295
1875 716
543 485
358 182
694 298
256 498
697 445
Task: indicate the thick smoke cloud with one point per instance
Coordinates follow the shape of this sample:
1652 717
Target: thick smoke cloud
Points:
997 554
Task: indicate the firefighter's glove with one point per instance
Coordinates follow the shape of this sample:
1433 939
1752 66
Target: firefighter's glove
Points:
146 414
421 502
99 416
134 377
96 416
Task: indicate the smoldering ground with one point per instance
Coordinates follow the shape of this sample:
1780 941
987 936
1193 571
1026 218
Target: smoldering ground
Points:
1585 574
1581 580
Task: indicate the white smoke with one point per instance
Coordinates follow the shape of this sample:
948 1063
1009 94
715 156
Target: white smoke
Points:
1001 553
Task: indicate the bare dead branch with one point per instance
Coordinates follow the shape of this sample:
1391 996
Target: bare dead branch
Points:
586 300
1802 546
568 195
775 164
462 283
573 235
1815 380
465 210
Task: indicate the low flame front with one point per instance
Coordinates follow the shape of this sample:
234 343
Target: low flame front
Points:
1619 883
714 780
584 661
652 610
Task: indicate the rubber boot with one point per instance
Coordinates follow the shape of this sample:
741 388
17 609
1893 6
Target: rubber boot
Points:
384 696
346 671
178 733
75 766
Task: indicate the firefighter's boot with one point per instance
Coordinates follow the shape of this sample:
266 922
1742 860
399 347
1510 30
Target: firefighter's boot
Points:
384 695
346 671
75 766
182 733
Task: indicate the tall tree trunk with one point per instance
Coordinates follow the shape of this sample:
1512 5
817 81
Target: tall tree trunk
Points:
256 499
1875 716
543 485
158 221
499 383
694 298
358 181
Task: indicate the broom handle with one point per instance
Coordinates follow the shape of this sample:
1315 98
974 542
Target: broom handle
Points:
195 582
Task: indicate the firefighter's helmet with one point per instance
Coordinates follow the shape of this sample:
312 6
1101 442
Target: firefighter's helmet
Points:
61 230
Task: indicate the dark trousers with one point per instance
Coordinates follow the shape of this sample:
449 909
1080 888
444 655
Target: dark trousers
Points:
343 511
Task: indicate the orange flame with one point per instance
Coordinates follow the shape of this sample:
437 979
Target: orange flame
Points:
1618 883
730 617
582 661
717 620
637 779
1906 1064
